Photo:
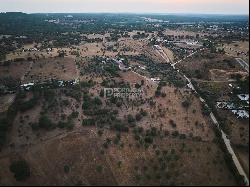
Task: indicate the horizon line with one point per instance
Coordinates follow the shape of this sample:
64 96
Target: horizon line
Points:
153 13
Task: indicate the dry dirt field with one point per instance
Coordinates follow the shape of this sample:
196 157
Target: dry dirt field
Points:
205 66
82 152
238 49
52 68
222 75
16 70
192 123
182 33
125 163
182 152
169 53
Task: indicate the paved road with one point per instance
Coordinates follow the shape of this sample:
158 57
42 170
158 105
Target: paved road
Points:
224 136
244 64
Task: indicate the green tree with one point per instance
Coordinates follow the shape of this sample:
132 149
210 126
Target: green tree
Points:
20 169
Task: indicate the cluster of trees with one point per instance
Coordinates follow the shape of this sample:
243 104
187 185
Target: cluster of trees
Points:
8 84
27 105
87 84
243 84
210 45
158 91
90 104
92 107
65 40
138 117
161 168
186 103
99 68
88 122
74 93
145 138
69 125
113 37
46 124
140 35
4 126
20 169
6 45
98 116
161 70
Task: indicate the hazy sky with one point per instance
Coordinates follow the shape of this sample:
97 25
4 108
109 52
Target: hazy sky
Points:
135 6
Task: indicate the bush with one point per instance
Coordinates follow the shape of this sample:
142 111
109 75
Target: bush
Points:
100 133
90 103
205 110
137 86
120 127
88 84
45 123
99 169
20 169
182 136
49 95
35 126
3 125
143 112
68 125
73 115
157 93
27 105
66 169
131 118
186 104
101 93
151 132
148 139
138 117
172 123
175 134
88 122
162 83
65 103
119 104
86 105
2 138
97 101
76 94
163 94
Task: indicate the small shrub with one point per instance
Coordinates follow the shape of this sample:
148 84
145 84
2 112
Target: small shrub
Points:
20 169
66 169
